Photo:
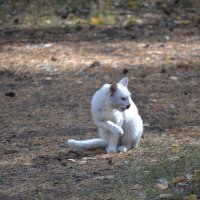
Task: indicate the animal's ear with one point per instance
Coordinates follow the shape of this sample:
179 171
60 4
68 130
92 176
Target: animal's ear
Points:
124 82
113 88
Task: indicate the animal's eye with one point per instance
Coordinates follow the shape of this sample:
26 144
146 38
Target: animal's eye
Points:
123 99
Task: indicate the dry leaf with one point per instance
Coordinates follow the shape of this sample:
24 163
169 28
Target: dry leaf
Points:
165 196
192 197
175 145
72 160
95 21
196 176
179 180
161 186
137 187
109 177
131 4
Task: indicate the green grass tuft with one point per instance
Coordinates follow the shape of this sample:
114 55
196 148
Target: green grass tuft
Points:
168 168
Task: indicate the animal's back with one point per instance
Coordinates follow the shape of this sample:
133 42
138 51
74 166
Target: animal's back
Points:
99 100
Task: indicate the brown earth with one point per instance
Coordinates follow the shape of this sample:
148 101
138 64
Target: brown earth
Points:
46 83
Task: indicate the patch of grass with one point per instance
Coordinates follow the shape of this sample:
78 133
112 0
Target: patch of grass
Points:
188 3
168 168
122 191
151 148
44 14
40 197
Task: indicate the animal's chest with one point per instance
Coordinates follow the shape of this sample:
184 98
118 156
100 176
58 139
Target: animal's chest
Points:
114 116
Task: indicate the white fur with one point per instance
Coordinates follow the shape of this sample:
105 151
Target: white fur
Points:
119 125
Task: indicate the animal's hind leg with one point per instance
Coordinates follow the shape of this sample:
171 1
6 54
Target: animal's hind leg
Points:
136 142
132 136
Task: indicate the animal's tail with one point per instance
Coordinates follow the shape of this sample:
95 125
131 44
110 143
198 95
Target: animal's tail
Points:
87 144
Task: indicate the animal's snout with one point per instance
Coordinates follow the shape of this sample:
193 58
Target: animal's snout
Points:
128 106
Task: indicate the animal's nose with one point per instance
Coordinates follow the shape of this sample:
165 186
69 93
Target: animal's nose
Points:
128 106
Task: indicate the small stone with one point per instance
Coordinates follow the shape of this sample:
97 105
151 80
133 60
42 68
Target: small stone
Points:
48 78
78 179
146 45
189 176
48 45
125 71
106 77
95 64
55 182
167 11
48 21
110 161
72 160
79 28
167 37
11 151
163 70
53 58
63 163
126 161
153 100
162 45
108 177
146 125
174 78
16 20
64 12
10 94
79 82
133 37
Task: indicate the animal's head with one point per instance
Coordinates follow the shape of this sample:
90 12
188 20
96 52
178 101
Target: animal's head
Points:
120 97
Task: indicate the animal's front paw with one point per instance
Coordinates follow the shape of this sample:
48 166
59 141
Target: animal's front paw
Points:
119 131
111 150
122 149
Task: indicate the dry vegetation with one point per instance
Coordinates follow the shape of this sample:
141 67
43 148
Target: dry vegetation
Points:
51 66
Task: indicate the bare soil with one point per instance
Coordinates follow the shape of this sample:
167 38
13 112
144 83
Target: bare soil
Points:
47 79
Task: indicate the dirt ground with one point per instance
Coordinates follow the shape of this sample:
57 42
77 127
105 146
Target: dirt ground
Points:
47 79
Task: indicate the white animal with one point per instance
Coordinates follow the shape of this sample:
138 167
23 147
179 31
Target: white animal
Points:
119 125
